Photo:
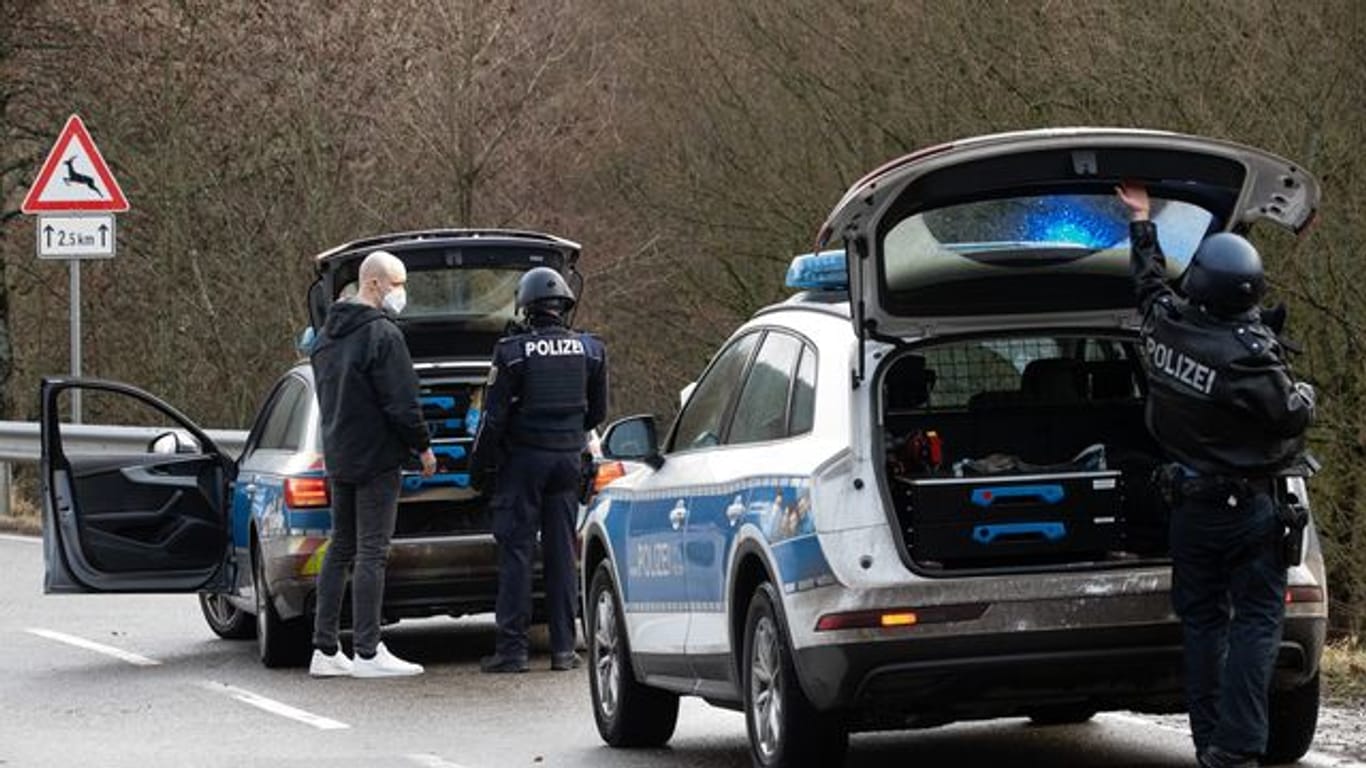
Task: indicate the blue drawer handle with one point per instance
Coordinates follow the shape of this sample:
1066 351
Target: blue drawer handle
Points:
418 482
987 534
1048 494
444 403
452 452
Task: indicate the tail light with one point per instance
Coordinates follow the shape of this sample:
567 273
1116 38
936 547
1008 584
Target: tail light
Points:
305 492
607 472
1305 594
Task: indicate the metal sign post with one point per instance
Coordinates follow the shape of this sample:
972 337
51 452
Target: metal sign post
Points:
75 196
75 337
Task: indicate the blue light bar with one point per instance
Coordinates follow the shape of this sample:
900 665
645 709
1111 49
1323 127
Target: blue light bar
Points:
823 271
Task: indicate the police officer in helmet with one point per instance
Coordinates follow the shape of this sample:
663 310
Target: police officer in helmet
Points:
1222 404
547 389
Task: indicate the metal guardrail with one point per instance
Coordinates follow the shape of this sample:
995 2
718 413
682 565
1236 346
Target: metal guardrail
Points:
20 441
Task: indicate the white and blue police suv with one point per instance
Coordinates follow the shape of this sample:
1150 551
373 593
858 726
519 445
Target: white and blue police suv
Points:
921 489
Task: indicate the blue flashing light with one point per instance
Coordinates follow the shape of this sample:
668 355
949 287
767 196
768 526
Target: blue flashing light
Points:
1076 222
823 271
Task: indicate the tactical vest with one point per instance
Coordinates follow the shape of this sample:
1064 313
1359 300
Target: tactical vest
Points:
554 398
1205 378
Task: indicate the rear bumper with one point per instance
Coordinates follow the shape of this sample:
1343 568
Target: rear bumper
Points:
447 575
895 684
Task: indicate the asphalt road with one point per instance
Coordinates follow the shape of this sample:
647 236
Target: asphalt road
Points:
161 690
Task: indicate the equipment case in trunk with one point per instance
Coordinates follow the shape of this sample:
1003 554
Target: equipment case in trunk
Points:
989 520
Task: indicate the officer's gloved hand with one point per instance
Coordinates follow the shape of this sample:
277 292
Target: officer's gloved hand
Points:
1306 392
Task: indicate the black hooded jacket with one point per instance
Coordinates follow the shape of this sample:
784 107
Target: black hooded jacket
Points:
1221 399
367 393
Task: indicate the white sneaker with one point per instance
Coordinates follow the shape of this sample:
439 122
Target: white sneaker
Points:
384 664
322 665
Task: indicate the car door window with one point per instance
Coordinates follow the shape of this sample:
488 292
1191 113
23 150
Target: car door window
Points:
699 426
275 434
298 420
761 413
804 394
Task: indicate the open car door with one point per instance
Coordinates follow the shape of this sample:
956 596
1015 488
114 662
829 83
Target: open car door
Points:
118 519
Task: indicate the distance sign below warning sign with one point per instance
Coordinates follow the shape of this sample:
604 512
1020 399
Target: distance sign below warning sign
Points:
76 237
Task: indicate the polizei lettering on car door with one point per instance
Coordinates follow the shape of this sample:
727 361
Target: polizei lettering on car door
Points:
554 347
1177 366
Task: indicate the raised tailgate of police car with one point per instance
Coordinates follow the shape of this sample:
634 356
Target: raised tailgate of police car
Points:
1023 451
444 504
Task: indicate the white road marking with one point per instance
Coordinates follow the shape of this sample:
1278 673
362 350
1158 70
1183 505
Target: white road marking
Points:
277 708
432 761
25 539
1313 759
91 645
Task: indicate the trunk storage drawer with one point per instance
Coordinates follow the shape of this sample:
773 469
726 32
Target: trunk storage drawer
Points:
1003 518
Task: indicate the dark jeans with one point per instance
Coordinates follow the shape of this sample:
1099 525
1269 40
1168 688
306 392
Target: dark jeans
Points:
537 490
1228 587
363 516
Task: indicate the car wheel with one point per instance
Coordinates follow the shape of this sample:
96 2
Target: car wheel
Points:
280 643
784 729
225 619
1074 714
628 713
1293 715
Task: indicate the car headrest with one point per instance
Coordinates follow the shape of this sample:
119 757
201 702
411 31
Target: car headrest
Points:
909 383
1111 379
1052 380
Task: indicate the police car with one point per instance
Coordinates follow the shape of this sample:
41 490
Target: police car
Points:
249 533
919 491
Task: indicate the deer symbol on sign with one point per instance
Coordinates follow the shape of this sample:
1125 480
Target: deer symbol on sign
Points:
75 177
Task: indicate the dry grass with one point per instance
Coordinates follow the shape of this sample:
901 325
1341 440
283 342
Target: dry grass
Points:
1344 670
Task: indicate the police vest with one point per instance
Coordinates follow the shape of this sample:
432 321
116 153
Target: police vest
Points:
554 395
1211 384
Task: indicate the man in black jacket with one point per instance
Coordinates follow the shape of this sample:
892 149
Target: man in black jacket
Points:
1222 404
548 387
371 423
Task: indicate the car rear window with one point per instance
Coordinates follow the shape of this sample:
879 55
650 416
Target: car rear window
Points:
1030 253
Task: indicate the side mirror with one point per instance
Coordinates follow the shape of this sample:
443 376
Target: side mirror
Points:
685 393
172 443
633 439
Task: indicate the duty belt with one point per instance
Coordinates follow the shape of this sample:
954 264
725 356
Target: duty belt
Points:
1212 487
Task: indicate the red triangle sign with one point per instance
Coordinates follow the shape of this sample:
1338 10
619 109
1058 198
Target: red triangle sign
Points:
83 183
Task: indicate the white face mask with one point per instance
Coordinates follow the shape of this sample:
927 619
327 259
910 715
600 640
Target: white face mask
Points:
396 300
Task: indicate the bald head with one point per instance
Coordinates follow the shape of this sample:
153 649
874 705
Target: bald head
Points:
380 273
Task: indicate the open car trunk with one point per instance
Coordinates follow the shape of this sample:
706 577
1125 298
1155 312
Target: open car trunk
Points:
444 504
1021 452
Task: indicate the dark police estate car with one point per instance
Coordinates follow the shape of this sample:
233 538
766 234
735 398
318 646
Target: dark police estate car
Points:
249 533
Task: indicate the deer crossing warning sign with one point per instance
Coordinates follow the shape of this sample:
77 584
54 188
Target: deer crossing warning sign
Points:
74 177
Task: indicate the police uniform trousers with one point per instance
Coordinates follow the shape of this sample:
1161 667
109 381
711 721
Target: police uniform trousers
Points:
537 492
1228 588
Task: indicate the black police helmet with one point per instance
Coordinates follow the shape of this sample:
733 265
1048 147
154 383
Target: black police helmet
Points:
1225 275
543 288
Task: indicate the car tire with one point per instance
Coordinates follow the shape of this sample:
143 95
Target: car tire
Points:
785 731
628 713
225 619
1074 714
1293 716
279 643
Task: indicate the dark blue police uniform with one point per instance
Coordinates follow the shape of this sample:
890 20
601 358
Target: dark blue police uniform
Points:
548 387
1222 404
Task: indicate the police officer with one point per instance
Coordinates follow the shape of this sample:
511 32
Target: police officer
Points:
547 389
1222 404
